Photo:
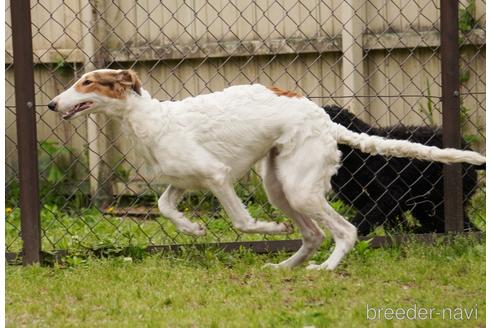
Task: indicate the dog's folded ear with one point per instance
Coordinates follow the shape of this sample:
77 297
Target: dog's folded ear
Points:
128 77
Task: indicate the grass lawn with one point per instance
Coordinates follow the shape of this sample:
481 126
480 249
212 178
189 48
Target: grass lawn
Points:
217 289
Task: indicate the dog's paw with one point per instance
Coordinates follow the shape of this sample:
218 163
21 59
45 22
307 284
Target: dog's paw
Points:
288 228
272 266
194 229
314 266
324 266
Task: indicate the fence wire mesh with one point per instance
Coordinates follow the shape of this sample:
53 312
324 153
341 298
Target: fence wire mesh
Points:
377 59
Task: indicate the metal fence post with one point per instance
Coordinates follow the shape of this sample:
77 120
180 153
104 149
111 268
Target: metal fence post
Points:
453 182
26 129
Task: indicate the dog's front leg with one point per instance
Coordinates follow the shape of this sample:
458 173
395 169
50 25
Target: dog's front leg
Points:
168 206
240 217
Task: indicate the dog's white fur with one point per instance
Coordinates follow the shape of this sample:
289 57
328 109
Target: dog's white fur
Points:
210 141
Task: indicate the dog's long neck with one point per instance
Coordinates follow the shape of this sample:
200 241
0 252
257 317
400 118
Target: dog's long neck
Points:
144 120
143 114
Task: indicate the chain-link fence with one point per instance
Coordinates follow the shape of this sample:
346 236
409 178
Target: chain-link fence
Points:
378 59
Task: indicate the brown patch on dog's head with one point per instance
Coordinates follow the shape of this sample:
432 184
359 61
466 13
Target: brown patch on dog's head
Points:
110 83
281 92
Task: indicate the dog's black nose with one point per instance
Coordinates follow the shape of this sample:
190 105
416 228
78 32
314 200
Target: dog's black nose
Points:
52 105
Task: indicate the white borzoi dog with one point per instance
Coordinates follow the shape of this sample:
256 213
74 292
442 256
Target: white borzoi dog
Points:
210 141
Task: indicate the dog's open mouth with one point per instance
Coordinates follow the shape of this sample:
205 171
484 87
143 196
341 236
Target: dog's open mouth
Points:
76 109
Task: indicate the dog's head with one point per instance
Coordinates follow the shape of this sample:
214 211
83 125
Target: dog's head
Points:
102 90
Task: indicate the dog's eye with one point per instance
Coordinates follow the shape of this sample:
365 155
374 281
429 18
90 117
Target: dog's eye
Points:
86 82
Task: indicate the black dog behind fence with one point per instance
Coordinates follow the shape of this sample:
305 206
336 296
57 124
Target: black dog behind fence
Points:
387 64
382 189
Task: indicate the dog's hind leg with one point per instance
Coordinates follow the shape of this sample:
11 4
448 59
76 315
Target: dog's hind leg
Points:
344 234
304 173
312 235
167 205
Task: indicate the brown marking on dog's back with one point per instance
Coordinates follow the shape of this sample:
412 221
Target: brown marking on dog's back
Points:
109 84
281 92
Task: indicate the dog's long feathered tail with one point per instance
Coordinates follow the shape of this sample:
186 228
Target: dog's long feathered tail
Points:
400 148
